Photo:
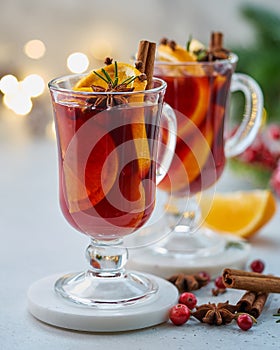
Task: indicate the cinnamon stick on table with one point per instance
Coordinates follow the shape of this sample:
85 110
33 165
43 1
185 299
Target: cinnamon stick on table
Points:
251 281
252 303
145 59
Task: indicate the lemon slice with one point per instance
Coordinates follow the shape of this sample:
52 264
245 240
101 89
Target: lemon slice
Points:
196 45
240 213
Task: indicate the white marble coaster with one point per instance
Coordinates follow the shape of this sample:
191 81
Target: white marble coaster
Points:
234 255
47 306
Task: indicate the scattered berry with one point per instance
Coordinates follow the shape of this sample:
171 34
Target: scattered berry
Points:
257 266
274 131
244 322
188 299
275 180
218 291
205 275
219 283
179 314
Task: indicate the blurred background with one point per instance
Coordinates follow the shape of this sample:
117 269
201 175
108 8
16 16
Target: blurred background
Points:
40 40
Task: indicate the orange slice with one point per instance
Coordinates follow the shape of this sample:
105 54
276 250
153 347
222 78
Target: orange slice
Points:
125 71
87 175
166 53
180 54
240 213
192 155
138 129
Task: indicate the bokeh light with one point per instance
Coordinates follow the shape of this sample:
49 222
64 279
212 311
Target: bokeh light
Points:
33 85
8 84
19 102
77 62
18 94
34 49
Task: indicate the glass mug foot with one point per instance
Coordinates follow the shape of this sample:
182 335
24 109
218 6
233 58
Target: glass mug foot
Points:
106 284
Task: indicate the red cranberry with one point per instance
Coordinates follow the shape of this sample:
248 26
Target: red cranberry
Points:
244 322
188 299
219 283
179 314
206 275
274 131
257 266
275 180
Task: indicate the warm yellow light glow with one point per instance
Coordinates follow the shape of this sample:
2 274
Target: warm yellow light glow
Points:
101 48
77 62
8 84
35 49
18 94
33 85
19 103
50 130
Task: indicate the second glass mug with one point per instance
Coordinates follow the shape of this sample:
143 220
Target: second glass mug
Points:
199 94
108 170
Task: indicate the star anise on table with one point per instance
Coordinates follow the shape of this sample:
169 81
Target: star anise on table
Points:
187 283
109 98
215 314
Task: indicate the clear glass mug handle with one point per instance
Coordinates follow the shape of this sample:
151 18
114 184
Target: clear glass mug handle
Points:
166 147
252 117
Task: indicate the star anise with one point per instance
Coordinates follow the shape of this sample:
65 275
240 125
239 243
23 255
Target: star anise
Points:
111 99
171 43
213 314
187 283
216 50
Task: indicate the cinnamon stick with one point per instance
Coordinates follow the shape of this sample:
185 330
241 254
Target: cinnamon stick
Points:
252 303
146 55
216 41
246 301
258 305
252 281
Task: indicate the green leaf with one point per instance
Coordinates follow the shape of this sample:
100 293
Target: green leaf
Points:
100 76
233 244
266 22
188 44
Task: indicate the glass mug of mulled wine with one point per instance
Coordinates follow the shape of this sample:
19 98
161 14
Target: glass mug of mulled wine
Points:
108 171
199 93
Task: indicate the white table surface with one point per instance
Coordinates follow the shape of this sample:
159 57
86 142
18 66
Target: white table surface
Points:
36 242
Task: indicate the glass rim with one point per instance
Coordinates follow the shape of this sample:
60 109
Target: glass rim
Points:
232 59
53 86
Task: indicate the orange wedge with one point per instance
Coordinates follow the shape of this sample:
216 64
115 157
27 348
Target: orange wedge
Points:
240 213
138 129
